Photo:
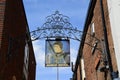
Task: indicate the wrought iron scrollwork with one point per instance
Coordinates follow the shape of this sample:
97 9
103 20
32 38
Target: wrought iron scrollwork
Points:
56 25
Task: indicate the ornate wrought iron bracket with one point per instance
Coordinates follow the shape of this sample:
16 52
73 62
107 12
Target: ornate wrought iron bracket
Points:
58 26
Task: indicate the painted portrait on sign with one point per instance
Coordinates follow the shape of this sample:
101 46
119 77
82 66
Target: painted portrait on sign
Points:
57 53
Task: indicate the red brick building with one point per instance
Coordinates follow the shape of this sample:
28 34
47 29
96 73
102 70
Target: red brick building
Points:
97 58
17 60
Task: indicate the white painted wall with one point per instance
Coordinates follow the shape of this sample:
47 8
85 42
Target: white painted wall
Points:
114 14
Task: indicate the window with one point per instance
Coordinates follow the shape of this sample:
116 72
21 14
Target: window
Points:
10 48
13 49
92 29
82 69
26 57
26 61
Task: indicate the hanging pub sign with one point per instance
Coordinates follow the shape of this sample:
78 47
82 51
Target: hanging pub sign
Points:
57 53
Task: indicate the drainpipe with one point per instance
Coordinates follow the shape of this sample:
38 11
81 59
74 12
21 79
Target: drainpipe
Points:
113 74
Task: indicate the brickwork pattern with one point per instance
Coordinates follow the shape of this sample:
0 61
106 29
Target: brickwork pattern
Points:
94 61
2 10
13 33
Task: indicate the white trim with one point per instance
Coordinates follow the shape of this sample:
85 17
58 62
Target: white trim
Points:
92 29
26 61
83 69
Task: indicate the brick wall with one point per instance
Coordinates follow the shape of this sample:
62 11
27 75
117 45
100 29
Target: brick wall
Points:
95 61
110 40
12 38
78 73
2 9
92 60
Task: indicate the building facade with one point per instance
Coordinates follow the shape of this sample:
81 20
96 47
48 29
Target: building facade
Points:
98 57
17 60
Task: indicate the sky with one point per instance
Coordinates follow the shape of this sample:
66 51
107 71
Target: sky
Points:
36 12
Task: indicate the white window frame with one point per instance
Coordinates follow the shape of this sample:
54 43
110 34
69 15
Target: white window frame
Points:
92 26
26 61
82 68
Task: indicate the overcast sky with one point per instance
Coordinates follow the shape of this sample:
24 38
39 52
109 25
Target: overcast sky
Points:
36 12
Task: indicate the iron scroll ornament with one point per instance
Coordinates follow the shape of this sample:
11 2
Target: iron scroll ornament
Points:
58 26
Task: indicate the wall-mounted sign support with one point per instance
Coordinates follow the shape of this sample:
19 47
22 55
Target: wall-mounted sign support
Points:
58 26
58 30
